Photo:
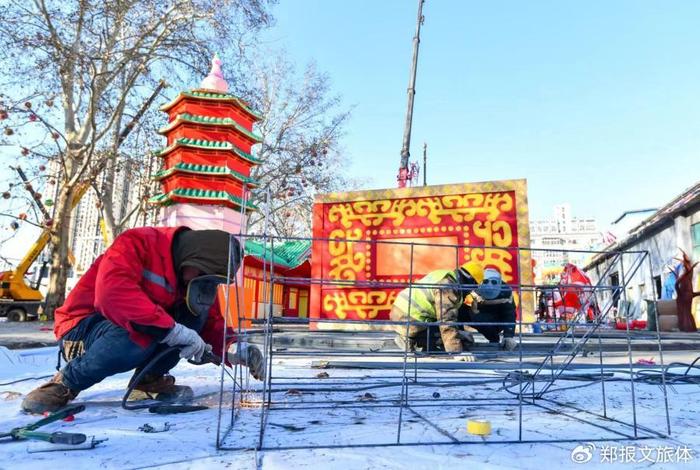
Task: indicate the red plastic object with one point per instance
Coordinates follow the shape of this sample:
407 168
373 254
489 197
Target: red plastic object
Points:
634 325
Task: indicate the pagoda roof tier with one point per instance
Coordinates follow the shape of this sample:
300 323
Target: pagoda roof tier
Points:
209 121
208 95
207 170
208 145
202 196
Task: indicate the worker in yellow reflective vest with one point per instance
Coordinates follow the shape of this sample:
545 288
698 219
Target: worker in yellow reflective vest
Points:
436 297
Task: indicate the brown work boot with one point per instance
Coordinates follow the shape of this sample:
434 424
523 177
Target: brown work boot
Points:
51 396
161 388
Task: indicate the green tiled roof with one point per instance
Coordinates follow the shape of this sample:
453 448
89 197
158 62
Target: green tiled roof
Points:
204 194
204 170
211 95
221 96
288 254
210 121
209 144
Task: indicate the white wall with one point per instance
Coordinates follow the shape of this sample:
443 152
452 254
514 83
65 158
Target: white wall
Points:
662 246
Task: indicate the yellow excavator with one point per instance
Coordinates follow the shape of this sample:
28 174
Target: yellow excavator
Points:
20 301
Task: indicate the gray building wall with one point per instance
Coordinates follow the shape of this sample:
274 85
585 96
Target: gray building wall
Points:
662 245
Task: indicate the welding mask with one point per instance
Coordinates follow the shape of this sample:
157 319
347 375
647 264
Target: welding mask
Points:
202 293
491 286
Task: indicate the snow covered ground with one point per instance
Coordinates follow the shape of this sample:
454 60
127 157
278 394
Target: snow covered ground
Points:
301 417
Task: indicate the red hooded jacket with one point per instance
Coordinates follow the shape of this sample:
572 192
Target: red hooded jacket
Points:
133 282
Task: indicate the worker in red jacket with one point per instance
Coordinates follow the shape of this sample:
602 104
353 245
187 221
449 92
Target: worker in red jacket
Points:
153 288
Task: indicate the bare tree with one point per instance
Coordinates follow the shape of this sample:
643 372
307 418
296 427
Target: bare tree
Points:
301 128
99 59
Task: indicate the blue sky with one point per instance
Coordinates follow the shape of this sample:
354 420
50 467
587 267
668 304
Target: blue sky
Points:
595 102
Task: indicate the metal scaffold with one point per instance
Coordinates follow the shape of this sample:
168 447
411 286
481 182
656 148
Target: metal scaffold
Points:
333 393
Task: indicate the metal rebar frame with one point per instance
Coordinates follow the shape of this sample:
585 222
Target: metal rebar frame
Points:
382 397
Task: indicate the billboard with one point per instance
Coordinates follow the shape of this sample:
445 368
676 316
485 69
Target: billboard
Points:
367 243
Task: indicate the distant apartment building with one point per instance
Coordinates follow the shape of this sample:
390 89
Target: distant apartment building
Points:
555 236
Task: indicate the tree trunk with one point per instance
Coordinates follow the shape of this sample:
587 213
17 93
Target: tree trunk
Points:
59 251
107 200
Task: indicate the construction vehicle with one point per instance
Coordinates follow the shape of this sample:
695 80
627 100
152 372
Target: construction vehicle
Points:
20 301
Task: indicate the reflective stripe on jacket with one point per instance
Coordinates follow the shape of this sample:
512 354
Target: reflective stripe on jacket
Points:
421 299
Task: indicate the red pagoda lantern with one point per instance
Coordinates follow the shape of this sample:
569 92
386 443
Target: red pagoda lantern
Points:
207 160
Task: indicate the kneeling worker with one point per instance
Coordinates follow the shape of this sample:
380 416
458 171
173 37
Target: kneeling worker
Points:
439 300
493 303
153 288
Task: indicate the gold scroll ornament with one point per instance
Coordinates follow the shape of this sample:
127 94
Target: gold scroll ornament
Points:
492 257
345 262
365 304
460 208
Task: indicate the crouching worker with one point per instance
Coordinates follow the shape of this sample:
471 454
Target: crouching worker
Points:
439 300
153 288
493 303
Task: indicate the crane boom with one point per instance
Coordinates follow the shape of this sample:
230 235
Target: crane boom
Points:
404 176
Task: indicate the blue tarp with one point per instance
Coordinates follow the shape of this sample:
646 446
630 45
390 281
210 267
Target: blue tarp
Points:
669 288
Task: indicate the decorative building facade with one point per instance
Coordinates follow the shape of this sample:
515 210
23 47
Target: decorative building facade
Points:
379 240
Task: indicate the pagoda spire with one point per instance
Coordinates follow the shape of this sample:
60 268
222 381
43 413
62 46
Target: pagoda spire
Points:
215 80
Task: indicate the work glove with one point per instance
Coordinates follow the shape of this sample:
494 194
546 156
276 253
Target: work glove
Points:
509 344
465 357
466 338
190 344
476 299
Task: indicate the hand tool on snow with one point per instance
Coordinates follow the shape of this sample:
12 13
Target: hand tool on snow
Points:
29 431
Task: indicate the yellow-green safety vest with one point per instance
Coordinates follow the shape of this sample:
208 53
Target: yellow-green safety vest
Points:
421 299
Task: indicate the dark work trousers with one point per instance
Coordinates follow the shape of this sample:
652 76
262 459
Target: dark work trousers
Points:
96 349
503 313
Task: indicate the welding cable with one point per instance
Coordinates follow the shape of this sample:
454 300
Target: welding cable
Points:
644 376
159 407
41 377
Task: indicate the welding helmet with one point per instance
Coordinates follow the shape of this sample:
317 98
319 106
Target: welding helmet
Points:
202 293
490 287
